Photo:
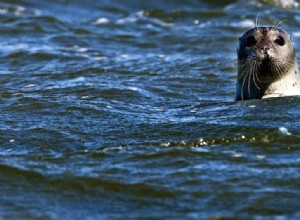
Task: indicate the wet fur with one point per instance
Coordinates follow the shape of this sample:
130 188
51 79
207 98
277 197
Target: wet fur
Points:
266 69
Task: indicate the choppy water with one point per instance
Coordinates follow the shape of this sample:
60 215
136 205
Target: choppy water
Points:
124 110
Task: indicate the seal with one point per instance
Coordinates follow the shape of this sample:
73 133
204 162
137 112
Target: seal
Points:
267 65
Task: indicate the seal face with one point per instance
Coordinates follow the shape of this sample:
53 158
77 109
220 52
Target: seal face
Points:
267 64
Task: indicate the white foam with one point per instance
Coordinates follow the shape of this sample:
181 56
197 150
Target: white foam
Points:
260 157
102 20
284 131
30 85
132 88
82 50
296 34
243 24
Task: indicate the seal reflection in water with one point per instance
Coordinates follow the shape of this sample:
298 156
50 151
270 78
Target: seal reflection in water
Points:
267 65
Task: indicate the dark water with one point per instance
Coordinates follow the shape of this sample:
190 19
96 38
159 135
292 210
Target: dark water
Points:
124 110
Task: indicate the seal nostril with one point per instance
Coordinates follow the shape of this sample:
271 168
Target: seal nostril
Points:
264 48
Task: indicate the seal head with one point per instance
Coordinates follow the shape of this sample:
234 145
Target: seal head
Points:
267 64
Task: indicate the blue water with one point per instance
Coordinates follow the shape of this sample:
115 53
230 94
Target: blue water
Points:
125 110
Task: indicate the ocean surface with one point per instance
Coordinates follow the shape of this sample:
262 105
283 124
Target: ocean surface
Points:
124 109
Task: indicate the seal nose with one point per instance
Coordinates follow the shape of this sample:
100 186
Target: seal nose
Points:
264 49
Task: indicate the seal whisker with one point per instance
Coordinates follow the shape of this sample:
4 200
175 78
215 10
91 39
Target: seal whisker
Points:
282 66
248 70
254 75
256 20
277 68
279 23
249 88
245 76
257 69
286 62
243 68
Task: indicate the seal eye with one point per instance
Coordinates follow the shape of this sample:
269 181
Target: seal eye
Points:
279 41
250 41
